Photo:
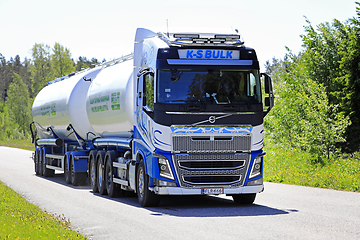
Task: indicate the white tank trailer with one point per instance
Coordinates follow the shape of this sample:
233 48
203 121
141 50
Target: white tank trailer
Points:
182 115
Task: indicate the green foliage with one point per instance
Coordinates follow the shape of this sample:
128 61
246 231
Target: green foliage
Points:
61 61
84 63
18 102
8 128
302 116
22 220
333 54
292 166
41 69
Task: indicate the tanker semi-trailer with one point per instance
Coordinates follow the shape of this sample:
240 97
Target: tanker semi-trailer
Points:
181 115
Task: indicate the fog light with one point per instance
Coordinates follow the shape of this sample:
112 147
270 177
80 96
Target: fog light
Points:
162 183
255 182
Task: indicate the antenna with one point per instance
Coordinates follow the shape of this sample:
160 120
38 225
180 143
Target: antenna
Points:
167 27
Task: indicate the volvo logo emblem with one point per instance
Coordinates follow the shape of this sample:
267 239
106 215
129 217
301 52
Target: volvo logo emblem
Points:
212 119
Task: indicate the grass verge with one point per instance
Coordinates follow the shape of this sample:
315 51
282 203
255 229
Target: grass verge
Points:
23 144
20 219
292 166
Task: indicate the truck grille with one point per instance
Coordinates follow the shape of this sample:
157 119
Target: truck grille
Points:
207 161
210 144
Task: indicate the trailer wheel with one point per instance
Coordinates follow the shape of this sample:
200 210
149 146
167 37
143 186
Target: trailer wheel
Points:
36 162
40 164
112 188
45 171
92 171
146 197
101 172
244 198
77 178
67 171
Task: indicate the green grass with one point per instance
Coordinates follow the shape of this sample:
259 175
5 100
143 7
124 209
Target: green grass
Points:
21 220
292 166
23 144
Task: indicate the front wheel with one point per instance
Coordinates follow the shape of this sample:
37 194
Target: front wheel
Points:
146 197
244 198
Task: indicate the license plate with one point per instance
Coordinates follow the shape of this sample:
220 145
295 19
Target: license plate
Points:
212 190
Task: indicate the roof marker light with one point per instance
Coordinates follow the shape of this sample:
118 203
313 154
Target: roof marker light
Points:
232 36
186 35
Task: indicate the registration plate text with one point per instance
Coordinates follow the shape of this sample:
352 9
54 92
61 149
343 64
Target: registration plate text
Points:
212 190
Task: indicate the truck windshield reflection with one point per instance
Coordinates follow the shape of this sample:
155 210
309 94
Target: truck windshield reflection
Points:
212 86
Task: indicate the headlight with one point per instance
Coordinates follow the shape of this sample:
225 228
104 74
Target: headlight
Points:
164 167
257 166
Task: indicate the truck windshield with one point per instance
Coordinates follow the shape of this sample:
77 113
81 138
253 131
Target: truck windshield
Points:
214 86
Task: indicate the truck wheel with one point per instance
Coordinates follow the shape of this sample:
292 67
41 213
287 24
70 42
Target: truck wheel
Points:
101 172
244 198
36 162
77 178
45 171
40 163
66 171
146 197
92 171
112 188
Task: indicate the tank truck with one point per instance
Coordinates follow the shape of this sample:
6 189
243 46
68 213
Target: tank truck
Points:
182 115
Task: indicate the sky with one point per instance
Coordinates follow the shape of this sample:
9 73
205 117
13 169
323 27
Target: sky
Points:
105 29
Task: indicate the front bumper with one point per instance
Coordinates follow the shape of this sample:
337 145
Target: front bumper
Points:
197 191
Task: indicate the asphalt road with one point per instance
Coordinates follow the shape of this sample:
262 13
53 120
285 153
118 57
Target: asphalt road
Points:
280 212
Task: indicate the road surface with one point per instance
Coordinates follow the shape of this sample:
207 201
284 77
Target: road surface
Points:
280 212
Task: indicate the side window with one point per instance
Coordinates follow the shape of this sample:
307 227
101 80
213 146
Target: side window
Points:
149 91
252 85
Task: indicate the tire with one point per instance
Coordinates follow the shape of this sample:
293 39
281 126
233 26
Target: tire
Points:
77 178
36 162
146 197
45 171
100 168
244 199
112 188
92 171
67 174
40 163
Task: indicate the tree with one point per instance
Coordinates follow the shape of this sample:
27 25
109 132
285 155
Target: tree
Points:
8 128
333 52
18 102
302 116
61 61
350 67
84 63
40 70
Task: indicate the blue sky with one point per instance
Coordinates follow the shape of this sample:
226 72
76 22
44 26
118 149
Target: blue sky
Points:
106 28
